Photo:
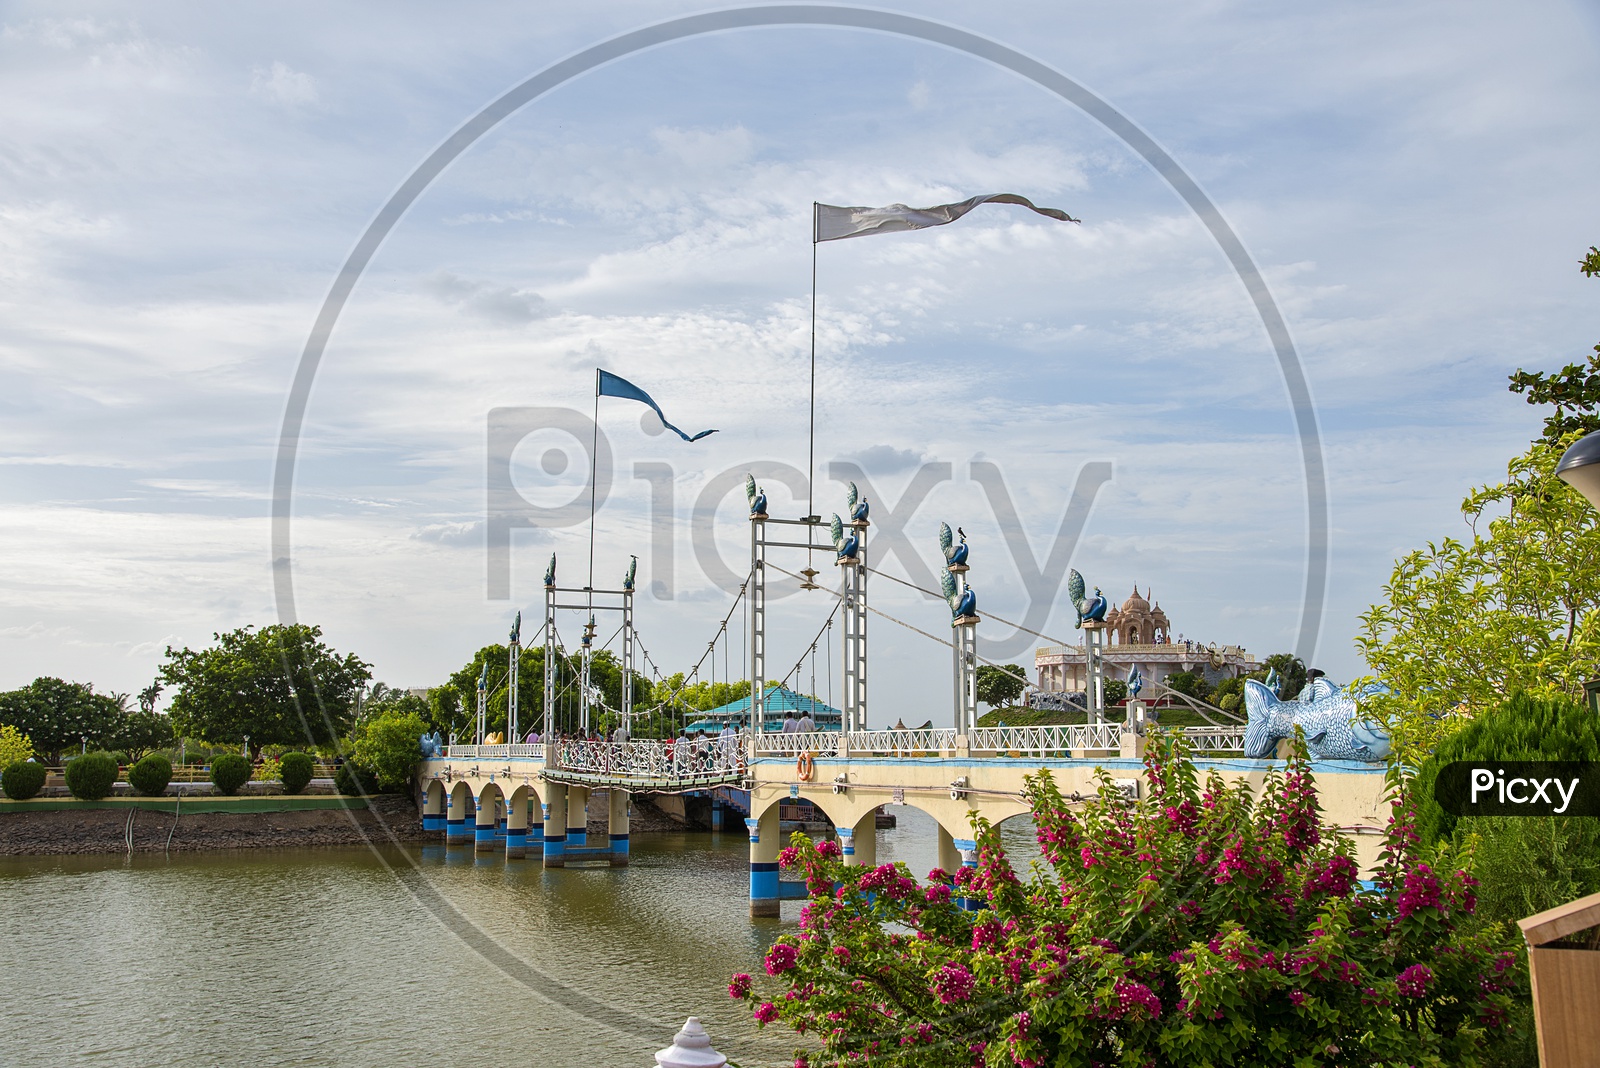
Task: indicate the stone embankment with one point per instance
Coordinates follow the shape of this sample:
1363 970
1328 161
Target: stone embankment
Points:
387 818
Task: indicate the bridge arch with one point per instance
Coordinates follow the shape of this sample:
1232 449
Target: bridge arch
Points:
460 812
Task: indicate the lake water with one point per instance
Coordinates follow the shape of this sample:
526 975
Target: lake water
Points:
389 958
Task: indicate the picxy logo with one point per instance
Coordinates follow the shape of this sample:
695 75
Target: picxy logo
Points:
1519 788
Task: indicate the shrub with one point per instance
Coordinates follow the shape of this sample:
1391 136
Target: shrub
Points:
1197 926
91 776
1522 728
269 770
353 780
295 772
151 775
14 745
229 772
22 780
389 746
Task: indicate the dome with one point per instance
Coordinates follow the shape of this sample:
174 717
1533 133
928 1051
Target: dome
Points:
1135 604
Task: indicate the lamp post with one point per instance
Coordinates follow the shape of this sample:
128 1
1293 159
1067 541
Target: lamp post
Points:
1579 468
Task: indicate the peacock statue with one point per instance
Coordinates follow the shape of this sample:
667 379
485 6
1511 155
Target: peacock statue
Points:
588 633
955 554
550 572
1274 682
483 679
633 570
516 629
857 505
756 496
1135 681
845 546
962 602
1090 609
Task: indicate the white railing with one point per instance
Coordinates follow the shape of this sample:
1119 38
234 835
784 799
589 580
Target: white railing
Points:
1213 739
1041 740
817 743
924 741
522 750
710 757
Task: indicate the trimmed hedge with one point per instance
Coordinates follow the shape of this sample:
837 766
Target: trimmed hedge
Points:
294 771
151 775
90 777
23 780
353 780
229 772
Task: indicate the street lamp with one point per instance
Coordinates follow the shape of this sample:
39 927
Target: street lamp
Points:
1580 467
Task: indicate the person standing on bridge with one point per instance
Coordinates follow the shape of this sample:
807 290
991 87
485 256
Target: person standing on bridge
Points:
727 741
805 723
790 724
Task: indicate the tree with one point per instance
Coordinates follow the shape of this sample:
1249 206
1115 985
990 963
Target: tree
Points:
1291 672
999 686
1515 606
388 745
1116 691
279 685
59 715
1191 683
140 732
1574 390
14 746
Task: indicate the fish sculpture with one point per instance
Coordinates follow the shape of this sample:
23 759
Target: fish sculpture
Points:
432 746
1325 712
756 496
962 601
955 554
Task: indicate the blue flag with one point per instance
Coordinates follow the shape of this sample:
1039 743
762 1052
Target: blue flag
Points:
610 385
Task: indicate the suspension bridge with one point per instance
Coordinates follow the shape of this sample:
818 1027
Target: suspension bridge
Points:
530 798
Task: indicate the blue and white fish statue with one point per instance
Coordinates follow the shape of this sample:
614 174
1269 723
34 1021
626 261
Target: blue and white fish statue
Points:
1325 712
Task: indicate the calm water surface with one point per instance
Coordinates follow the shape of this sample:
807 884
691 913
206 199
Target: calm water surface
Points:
338 957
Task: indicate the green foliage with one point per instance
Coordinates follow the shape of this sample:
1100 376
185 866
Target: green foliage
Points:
352 780
1192 683
389 747
259 682
14 746
139 732
1207 924
461 701
1001 685
1291 670
1116 691
151 775
1524 727
90 777
1228 695
1516 607
22 780
295 770
229 771
1528 864
267 770
58 715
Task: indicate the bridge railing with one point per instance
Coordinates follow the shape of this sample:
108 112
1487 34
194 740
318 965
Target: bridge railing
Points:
648 759
929 741
1061 738
817 743
1214 739
533 750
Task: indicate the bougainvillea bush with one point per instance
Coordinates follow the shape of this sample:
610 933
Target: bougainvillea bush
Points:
1197 926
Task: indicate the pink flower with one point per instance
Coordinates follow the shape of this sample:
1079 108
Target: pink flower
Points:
765 1013
938 875
1298 997
841 952
788 856
953 983
740 986
781 958
936 894
1136 999
1414 981
1421 891
829 848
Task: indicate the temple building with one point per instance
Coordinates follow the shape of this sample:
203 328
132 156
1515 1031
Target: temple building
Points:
1138 633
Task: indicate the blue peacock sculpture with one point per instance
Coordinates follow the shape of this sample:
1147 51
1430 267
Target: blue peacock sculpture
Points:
1090 609
856 504
550 572
756 496
845 547
962 602
1135 681
955 554
633 571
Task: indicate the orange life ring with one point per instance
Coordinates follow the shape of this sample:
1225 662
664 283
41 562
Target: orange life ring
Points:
805 767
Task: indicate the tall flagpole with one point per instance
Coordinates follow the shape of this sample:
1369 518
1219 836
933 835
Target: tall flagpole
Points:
811 455
594 460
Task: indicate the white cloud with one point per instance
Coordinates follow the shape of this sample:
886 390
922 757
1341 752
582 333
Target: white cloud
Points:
280 84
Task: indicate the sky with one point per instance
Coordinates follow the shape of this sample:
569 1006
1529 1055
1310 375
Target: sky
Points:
180 185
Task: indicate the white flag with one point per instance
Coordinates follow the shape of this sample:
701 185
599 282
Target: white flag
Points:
833 223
